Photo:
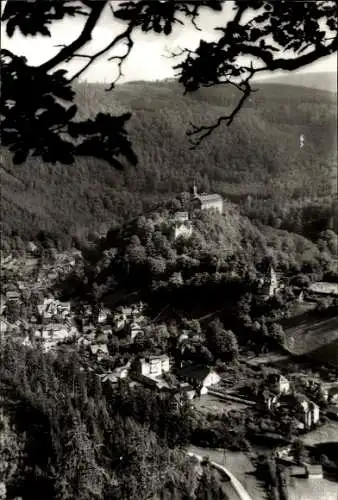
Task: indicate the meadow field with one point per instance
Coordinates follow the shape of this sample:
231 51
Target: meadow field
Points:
314 335
312 489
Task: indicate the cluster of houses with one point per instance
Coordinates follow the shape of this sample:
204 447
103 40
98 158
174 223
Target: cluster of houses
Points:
51 322
157 373
194 380
56 323
277 394
50 325
40 318
24 275
96 328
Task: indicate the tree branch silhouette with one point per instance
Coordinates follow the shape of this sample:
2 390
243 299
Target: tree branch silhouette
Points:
91 58
85 36
275 35
204 131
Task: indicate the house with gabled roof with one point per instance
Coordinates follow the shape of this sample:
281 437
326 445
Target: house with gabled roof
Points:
307 412
199 377
152 371
277 383
99 350
114 376
154 366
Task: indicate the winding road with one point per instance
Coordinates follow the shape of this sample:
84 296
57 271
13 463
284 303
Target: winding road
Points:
237 485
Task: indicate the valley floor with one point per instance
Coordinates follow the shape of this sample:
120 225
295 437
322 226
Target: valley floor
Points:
325 434
312 489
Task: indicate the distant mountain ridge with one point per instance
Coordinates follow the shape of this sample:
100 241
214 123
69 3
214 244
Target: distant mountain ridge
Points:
320 80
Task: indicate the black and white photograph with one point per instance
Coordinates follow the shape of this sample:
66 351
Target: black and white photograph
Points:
168 250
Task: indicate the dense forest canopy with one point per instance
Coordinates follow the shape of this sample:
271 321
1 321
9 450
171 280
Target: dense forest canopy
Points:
257 162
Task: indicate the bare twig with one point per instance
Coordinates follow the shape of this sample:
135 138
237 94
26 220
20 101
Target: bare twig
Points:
180 53
91 58
193 14
85 36
206 130
121 60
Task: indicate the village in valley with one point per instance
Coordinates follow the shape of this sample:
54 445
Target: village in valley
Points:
274 399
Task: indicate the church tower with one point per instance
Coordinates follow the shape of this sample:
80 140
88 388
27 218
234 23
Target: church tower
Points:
194 191
273 282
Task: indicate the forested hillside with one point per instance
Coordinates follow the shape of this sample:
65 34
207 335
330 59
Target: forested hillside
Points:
259 154
223 255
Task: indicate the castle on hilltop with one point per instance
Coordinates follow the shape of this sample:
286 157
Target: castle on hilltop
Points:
205 201
181 222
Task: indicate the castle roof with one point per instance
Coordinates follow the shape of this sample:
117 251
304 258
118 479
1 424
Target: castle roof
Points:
207 198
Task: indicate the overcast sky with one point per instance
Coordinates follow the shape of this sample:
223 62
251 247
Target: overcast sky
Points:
147 60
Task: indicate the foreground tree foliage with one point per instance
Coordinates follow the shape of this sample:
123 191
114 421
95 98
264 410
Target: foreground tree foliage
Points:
276 35
68 436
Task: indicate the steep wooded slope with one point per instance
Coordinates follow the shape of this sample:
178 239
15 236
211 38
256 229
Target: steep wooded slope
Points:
259 154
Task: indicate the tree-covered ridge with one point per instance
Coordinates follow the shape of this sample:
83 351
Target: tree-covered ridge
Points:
222 251
258 155
326 80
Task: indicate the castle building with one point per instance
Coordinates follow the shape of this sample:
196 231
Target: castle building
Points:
205 201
